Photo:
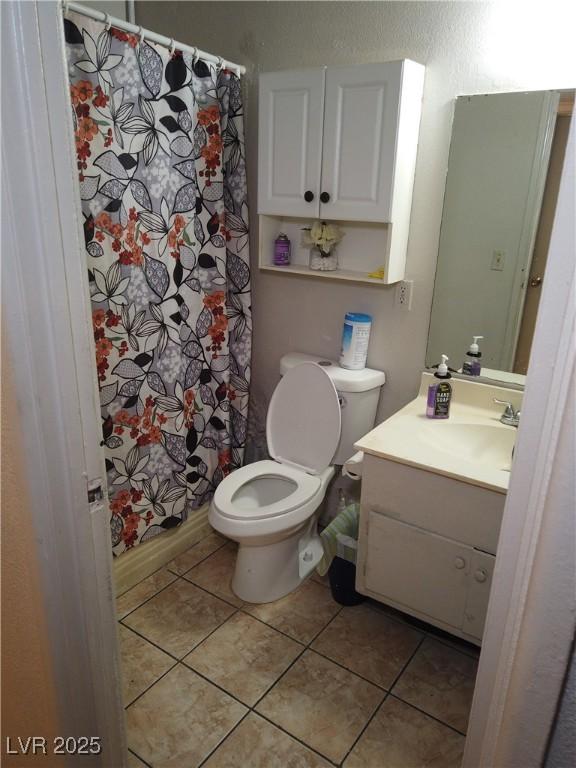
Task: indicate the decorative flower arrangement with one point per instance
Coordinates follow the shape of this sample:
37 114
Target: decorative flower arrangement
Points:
322 239
322 236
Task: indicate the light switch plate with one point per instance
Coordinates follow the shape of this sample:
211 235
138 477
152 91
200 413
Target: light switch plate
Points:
498 258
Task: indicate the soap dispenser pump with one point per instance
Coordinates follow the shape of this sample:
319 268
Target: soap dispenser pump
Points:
471 366
440 393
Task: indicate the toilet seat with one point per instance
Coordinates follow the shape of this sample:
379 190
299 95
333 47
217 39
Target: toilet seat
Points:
304 420
306 486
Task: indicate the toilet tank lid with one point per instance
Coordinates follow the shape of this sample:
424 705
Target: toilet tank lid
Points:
344 380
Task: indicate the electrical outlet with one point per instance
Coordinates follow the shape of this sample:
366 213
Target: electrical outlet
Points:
404 294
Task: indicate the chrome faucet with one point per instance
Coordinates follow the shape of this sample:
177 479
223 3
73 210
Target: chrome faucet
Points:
511 416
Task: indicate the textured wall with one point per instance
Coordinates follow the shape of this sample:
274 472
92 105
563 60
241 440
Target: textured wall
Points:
562 750
28 698
467 48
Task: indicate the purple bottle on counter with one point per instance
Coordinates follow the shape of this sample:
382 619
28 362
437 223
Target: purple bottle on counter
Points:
282 250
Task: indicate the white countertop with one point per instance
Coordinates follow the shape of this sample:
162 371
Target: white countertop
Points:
472 445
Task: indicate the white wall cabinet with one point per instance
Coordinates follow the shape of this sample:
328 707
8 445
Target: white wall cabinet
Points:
423 558
340 143
290 142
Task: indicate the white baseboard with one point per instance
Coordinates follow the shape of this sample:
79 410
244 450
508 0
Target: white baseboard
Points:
133 566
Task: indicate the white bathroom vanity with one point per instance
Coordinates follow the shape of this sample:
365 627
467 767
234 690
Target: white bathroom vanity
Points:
432 499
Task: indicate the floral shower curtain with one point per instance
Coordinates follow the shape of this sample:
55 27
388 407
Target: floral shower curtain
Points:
160 151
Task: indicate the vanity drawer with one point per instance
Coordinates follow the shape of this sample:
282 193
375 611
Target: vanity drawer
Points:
461 511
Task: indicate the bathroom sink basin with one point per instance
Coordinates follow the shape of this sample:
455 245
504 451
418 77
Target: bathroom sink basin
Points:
472 446
488 444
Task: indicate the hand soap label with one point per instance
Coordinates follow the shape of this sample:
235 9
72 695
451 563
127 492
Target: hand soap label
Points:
438 404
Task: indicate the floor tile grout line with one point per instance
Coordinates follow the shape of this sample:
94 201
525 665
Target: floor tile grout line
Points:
213 594
448 644
277 680
199 561
272 685
351 671
296 738
357 739
166 564
172 573
387 693
271 626
147 600
408 662
150 686
304 649
143 637
423 712
216 685
140 758
224 739
187 581
168 653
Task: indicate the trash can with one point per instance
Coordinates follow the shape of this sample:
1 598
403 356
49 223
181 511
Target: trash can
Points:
340 543
342 576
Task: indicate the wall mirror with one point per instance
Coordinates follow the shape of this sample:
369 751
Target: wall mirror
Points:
504 168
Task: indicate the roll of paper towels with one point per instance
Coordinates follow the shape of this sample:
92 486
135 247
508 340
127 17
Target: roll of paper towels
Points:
353 466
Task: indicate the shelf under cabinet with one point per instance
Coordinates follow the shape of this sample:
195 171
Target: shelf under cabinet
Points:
338 274
362 250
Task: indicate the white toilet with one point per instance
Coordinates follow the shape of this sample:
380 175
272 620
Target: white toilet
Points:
317 412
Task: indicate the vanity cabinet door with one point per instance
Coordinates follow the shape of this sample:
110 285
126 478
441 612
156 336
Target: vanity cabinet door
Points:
291 112
417 569
481 569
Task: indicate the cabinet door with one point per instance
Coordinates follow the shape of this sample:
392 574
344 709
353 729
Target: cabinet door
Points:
360 130
291 111
418 569
481 569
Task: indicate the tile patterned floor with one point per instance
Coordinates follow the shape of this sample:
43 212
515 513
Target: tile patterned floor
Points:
299 683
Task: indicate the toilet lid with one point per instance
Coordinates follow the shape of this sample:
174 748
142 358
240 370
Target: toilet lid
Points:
303 422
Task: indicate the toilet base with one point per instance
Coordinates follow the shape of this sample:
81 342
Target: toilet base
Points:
268 572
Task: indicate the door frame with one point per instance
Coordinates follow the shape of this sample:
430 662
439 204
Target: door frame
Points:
532 611
47 318
47 324
527 240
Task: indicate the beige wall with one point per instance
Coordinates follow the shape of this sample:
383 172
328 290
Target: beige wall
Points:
467 48
28 698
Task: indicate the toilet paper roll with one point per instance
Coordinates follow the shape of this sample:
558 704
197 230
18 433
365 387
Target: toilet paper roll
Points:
353 466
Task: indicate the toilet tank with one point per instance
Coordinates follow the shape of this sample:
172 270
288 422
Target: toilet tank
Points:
359 392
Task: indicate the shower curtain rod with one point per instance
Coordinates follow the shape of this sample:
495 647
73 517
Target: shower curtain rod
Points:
146 34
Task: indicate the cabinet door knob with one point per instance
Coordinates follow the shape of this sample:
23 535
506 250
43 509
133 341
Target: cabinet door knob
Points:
480 575
308 196
325 197
459 563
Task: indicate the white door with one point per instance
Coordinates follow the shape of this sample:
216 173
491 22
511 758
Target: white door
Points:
417 569
291 106
481 569
47 319
361 115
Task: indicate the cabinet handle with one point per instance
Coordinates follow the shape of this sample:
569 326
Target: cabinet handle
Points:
325 197
459 563
480 575
308 196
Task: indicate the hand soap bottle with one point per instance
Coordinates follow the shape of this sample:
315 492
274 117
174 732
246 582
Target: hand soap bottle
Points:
471 366
440 393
